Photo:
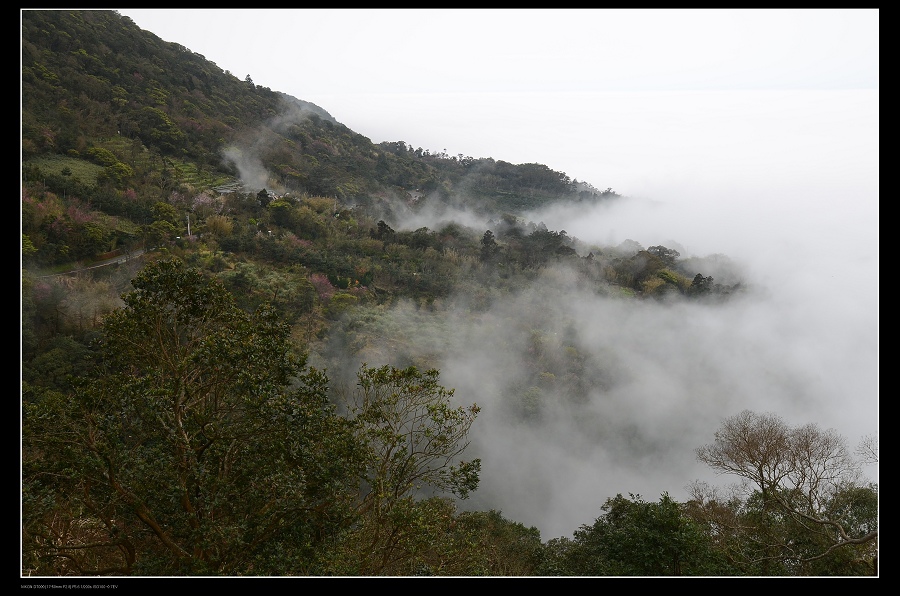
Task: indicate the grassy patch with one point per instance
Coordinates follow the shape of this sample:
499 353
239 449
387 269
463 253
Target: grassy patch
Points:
87 172
83 170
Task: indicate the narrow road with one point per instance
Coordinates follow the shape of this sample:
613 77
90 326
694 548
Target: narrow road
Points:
113 261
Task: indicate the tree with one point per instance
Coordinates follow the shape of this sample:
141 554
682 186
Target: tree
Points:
157 129
489 247
413 438
187 452
867 449
496 545
635 537
668 255
805 507
283 213
165 212
701 285
159 233
219 225
477 543
28 249
407 422
383 232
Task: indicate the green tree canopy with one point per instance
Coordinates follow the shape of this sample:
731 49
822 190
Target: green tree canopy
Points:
413 438
636 538
194 449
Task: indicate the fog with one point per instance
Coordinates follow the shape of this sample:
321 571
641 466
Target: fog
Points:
783 187
751 135
777 191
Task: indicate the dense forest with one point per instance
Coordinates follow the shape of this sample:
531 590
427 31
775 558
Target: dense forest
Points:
215 380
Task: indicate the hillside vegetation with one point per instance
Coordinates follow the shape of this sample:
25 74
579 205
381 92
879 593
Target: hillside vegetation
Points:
251 387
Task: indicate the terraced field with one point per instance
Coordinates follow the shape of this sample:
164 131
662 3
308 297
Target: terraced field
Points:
139 158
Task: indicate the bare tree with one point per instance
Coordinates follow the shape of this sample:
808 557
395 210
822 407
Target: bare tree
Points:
803 476
867 449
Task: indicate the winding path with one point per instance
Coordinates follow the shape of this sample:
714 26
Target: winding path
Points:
113 261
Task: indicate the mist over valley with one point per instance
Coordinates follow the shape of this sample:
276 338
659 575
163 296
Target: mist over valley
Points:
610 274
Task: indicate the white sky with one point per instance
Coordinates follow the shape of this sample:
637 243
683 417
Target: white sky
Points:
313 52
541 85
749 133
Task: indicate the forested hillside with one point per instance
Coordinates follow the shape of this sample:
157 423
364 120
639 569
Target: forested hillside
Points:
234 320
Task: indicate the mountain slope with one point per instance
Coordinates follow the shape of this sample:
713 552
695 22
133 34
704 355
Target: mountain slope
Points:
93 79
